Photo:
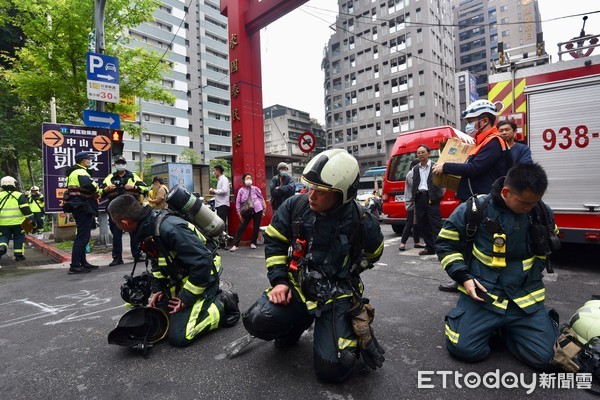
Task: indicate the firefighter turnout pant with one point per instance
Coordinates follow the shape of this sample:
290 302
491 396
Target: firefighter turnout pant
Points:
286 323
194 320
529 337
14 232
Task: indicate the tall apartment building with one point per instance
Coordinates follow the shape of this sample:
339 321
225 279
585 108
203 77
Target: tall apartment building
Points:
164 127
389 68
195 41
482 24
209 109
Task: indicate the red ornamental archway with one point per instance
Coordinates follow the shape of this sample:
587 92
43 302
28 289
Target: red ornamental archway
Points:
245 19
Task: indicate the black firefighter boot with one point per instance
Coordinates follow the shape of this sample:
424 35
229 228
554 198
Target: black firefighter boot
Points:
231 313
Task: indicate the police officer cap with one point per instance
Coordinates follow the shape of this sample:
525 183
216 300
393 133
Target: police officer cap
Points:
82 155
120 160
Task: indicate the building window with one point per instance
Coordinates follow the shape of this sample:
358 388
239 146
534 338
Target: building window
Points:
162 120
163 139
146 117
147 137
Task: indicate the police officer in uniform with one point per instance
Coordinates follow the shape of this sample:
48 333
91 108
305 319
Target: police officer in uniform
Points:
501 287
36 203
120 182
82 202
186 276
331 235
14 209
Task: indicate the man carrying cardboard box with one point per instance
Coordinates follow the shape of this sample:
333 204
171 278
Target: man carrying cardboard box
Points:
489 159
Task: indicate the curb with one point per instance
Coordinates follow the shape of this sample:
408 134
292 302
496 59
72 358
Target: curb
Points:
54 253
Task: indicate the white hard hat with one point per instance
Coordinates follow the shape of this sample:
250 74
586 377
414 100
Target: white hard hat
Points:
333 170
479 107
8 181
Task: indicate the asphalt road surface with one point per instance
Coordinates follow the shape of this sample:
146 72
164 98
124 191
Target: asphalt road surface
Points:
54 327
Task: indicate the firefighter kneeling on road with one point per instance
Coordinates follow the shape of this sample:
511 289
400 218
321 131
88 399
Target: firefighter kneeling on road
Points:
333 240
185 280
499 271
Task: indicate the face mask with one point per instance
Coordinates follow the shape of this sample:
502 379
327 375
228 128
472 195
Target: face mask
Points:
121 167
470 128
248 182
283 173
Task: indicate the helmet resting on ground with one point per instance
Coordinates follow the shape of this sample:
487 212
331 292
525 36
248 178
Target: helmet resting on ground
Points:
586 321
8 181
478 107
335 171
139 325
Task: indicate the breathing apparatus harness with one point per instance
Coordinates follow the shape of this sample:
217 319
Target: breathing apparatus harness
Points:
317 286
540 224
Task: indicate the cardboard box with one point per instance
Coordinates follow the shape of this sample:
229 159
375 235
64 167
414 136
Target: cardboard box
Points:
454 151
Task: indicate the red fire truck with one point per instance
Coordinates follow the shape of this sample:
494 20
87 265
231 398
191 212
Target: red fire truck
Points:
558 109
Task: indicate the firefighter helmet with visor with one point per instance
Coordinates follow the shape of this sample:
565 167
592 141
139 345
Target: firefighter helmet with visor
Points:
333 171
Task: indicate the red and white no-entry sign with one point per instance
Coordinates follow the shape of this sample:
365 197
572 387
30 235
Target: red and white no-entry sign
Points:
307 142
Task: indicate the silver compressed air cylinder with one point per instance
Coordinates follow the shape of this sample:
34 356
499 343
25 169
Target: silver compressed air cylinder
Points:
181 200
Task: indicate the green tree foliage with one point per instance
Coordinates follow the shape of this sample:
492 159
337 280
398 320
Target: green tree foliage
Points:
227 171
189 156
52 63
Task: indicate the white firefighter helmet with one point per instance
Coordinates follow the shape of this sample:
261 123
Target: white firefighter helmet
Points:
8 181
335 171
478 107
586 321
35 189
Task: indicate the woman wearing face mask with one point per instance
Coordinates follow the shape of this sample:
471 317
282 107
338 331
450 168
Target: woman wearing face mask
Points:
250 205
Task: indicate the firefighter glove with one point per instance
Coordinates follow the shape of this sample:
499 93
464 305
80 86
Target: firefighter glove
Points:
372 353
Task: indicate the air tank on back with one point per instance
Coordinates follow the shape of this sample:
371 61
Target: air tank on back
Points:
181 200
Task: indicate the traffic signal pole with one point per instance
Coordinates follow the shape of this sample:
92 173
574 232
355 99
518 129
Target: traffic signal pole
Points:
104 234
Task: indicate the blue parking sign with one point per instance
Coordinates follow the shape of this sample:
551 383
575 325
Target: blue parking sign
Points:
102 68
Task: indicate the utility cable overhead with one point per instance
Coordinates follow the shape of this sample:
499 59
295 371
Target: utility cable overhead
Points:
426 24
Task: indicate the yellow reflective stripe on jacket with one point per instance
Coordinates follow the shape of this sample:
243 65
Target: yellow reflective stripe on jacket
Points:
158 275
528 263
493 262
194 289
450 258
532 298
344 343
449 234
377 252
451 335
275 234
275 260
502 305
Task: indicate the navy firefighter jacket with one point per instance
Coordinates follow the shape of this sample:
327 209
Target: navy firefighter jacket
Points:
329 238
513 273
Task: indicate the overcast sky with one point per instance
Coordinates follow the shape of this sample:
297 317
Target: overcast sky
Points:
292 48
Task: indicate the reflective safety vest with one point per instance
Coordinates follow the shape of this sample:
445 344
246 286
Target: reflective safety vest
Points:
73 184
14 208
36 204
